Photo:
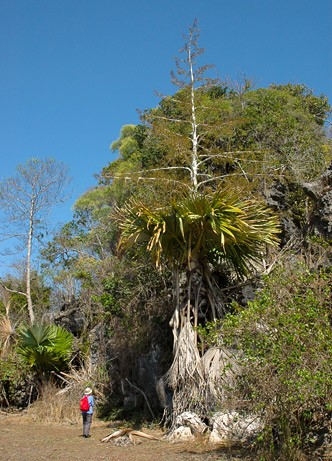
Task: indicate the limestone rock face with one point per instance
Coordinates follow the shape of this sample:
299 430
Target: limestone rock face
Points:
71 317
187 425
181 434
233 428
320 192
191 420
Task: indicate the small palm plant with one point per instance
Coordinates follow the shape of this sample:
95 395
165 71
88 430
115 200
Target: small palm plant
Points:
45 348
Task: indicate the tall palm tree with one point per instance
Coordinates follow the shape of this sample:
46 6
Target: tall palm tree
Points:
202 231
198 233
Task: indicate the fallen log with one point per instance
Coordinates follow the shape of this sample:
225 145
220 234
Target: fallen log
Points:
129 432
144 435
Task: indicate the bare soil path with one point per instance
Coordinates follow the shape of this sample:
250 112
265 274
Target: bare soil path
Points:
22 439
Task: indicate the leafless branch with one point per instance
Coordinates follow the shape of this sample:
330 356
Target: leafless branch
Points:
140 390
11 290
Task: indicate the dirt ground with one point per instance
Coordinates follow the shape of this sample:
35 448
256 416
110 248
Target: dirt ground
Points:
22 439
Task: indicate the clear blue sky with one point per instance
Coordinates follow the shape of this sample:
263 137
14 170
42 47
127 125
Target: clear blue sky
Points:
74 71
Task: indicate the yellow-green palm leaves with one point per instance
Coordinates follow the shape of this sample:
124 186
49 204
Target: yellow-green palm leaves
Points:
197 229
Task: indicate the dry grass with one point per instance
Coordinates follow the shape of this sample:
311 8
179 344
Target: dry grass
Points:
7 334
62 405
53 406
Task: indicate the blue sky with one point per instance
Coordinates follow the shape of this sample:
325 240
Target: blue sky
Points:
74 71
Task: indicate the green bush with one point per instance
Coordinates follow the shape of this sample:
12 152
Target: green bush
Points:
45 348
16 382
286 339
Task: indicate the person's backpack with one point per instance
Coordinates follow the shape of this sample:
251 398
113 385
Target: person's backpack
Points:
84 403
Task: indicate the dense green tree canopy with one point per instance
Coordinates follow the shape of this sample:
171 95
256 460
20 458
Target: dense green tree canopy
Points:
247 139
285 335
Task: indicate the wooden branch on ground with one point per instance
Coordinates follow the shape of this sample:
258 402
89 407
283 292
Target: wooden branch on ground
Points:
128 432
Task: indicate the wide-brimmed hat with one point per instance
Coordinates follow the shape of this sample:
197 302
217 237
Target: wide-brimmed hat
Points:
87 390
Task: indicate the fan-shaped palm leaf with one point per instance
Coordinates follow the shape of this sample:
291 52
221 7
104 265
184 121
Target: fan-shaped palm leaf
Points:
45 347
199 227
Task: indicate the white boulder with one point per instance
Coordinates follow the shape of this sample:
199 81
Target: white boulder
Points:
232 427
181 434
192 421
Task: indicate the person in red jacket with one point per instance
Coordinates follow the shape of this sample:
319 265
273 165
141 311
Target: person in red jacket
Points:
87 415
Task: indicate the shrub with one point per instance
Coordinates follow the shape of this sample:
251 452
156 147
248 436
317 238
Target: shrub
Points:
45 348
286 339
16 382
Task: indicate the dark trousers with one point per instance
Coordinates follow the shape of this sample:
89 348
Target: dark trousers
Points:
87 420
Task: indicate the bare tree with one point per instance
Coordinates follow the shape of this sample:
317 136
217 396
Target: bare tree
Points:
26 200
190 76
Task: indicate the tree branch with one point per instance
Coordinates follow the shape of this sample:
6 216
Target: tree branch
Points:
12 291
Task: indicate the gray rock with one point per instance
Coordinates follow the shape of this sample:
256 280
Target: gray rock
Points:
191 420
231 428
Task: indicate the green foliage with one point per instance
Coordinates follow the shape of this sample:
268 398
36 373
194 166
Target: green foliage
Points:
109 299
130 146
12 368
40 295
126 144
83 243
286 122
45 348
94 200
318 106
170 131
130 297
15 381
199 228
244 141
285 336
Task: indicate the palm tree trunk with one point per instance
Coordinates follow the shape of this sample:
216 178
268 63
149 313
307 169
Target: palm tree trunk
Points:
189 296
196 306
175 322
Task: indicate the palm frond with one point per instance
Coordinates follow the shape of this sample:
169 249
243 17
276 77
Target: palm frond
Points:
45 347
201 225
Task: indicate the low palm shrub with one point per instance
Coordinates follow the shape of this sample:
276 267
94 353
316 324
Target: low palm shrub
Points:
45 348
